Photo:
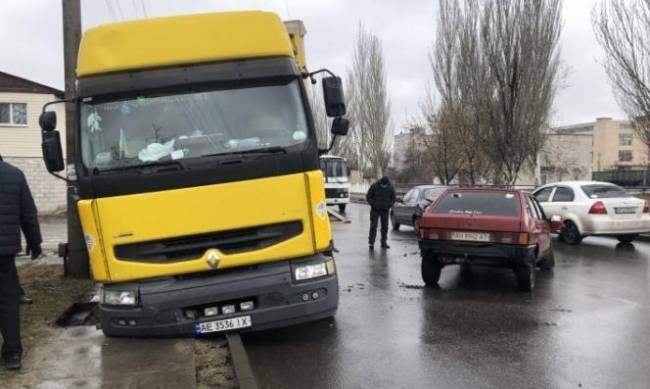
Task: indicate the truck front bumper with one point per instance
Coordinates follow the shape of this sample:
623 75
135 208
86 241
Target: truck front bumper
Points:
172 306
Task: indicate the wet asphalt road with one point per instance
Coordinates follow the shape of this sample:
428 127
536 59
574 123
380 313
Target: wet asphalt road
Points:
587 323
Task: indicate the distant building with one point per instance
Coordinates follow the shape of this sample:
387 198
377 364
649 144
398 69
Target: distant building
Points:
590 150
400 146
21 102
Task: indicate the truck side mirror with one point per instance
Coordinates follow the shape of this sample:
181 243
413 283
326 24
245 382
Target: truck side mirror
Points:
52 152
333 96
47 121
340 126
51 145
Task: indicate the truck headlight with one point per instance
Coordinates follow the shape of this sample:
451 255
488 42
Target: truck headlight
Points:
118 297
310 270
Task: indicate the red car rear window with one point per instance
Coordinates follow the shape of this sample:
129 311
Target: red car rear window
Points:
479 203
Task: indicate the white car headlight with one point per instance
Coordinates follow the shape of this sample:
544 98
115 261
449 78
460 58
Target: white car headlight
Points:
118 297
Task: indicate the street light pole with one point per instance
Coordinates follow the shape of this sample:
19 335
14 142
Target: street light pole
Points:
76 264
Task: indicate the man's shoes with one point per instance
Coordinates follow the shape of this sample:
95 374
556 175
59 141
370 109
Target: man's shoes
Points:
385 246
13 362
24 300
371 246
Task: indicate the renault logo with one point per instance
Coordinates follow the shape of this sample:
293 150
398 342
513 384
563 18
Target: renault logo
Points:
213 258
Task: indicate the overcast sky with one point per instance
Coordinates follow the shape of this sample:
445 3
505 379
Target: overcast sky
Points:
31 43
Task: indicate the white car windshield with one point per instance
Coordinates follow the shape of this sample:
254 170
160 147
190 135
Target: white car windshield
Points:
602 191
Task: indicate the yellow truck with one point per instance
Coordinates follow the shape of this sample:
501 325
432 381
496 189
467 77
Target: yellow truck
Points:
197 168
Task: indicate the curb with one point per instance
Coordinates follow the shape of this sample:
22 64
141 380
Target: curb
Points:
241 364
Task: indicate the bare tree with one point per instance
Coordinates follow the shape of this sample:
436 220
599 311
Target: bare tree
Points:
417 163
496 68
461 79
622 28
369 105
520 44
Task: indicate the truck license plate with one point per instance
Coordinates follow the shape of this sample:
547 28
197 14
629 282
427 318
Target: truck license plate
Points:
223 325
470 236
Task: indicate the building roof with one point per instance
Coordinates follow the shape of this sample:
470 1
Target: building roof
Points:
10 83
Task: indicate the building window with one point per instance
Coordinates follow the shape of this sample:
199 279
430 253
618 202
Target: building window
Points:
627 126
625 155
13 113
625 139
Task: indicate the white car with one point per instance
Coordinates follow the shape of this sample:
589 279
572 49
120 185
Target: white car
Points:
594 208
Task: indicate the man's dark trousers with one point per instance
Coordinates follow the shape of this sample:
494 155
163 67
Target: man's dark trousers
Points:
375 217
9 307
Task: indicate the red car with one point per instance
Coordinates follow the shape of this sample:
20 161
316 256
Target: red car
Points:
490 227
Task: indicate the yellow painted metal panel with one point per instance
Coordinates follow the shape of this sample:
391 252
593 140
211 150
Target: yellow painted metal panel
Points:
198 210
93 236
321 220
177 40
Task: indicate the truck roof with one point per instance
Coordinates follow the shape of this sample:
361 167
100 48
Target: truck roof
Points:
182 40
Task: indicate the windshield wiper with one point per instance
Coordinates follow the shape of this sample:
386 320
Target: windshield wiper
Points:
154 167
266 150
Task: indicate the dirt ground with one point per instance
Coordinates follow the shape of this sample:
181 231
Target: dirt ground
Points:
52 294
213 364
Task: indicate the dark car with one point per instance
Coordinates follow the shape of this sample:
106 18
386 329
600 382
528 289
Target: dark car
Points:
410 208
488 227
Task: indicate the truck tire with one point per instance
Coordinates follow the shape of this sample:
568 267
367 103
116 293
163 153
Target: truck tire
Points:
394 222
525 278
342 208
548 262
571 234
431 269
627 238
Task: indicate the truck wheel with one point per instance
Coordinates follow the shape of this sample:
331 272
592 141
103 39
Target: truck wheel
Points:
342 208
431 269
525 278
571 234
627 238
394 222
548 262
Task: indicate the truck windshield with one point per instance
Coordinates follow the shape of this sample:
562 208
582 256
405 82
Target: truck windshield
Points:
151 129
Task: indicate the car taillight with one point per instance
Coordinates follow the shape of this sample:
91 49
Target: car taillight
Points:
646 208
598 209
523 238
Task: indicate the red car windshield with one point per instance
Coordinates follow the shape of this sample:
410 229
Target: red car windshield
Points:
478 203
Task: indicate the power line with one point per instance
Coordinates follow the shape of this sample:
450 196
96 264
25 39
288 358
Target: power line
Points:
110 10
119 9
135 9
144 8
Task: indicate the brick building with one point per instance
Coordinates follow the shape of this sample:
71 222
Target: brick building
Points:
21 102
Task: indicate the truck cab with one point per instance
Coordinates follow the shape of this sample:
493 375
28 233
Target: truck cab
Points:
197 175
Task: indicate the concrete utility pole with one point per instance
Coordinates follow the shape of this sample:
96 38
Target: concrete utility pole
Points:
76 263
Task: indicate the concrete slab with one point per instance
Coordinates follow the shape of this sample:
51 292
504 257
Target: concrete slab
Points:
82 357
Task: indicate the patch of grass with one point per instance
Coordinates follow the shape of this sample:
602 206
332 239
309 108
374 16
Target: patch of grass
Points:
52 294
213 365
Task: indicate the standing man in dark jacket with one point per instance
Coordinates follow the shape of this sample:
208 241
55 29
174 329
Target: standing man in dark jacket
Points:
381 197
17 211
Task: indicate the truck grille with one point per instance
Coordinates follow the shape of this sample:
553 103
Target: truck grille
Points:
194 246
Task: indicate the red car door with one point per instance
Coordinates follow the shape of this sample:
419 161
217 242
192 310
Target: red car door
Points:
541 232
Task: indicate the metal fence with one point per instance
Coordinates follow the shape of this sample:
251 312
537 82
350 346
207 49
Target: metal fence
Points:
626 178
